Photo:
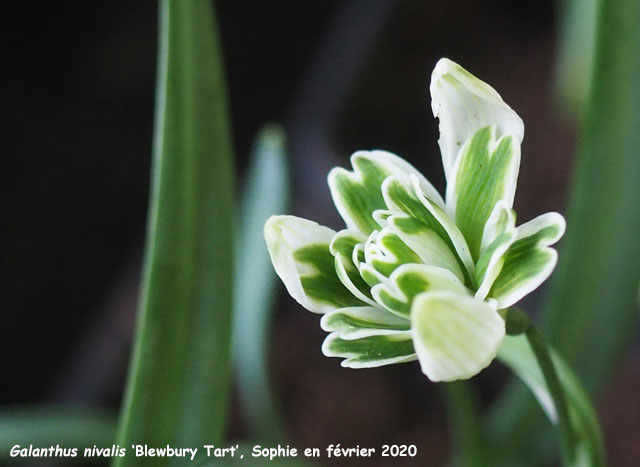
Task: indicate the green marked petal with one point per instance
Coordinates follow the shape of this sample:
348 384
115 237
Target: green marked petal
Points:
485 173
342 248
455 336
385 252
425 242
350 322
345 241
357 194
384 348
410 280
499 234
371 275
529 260
464 104
299 251
407 198
381 216
352 280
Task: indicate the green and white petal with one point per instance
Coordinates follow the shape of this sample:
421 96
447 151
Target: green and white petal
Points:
499 234
425 242
350 322
529 260
342 248
381 347
502 219
485 173
385 252
410 200
464 104
299 251
381 216
409 281
455 336
367 272
357 194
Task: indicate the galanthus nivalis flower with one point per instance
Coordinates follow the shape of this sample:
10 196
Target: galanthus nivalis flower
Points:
414 276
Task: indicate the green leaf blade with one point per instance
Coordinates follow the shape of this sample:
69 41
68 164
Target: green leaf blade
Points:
182 347
516 353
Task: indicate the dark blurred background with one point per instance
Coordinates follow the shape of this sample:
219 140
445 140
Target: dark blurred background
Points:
78 96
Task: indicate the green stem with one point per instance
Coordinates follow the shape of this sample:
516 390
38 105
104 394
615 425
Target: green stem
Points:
543 356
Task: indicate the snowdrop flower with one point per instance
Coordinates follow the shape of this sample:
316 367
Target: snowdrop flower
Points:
413 275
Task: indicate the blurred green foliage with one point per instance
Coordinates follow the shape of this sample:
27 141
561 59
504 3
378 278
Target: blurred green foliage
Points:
265 193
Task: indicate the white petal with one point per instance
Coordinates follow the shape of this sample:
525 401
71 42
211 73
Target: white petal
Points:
464 104
454 336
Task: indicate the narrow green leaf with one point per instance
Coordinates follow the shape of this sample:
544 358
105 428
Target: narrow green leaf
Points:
51 426
178 385
266 193
517 354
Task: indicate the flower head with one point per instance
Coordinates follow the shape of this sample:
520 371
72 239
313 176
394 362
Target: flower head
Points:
414 276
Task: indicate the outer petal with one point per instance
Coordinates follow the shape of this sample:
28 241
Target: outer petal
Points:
300 254
455 336
358 194
464 104
485 173
529 260
377 348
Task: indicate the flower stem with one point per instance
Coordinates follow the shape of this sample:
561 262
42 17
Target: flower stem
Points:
543 356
